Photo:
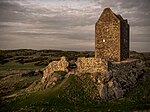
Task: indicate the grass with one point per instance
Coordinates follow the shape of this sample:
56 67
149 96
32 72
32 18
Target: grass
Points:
16 83
40 98
70 94
12 65
70 97
141 92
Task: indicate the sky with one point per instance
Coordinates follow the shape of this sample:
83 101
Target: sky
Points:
68 24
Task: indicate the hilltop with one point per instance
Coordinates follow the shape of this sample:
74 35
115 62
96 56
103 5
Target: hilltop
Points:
22 72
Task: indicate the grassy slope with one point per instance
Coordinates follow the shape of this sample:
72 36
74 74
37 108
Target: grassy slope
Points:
57 99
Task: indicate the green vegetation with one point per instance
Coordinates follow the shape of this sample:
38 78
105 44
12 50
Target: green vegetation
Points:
69 96
23 56
23 67
14 65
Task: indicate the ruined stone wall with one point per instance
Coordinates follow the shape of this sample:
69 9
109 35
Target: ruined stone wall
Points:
91 65
107 36
55 66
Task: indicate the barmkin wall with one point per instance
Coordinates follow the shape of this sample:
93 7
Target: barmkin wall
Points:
61 65
91 65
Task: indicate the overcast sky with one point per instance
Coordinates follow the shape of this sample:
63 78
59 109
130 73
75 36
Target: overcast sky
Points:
68 24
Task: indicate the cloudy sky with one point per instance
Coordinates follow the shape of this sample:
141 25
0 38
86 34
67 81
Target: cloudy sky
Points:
68 24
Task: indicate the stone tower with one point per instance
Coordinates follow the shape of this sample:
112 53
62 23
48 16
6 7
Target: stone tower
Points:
111 37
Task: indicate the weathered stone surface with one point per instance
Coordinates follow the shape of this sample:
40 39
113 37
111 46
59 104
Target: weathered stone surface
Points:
52 79
49 81
103 91
111 37
55 66
91 65
122 77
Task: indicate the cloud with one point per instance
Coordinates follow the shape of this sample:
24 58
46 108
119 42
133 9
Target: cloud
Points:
52 22
140 46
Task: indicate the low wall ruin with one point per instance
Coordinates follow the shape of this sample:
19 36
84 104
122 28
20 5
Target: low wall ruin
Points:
91 65
61 65
84 65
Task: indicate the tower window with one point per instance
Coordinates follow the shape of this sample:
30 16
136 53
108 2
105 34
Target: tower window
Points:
103 40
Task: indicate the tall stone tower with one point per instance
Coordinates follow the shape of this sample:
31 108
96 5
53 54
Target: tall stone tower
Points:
111 37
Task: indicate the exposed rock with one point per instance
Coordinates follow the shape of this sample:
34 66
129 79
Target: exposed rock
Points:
49 82
114 83
118 81
103 91
52 80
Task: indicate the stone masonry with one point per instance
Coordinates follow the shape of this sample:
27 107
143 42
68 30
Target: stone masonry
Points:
55 66
91 65
111 37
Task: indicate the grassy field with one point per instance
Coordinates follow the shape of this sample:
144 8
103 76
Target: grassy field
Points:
17 74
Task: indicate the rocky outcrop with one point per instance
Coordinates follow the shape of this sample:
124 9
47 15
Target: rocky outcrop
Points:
91 65
53 79
119 79
112 84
